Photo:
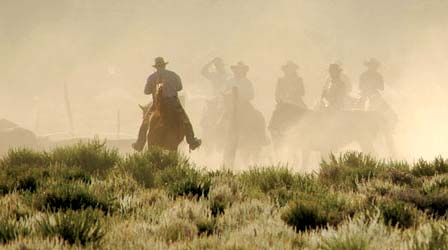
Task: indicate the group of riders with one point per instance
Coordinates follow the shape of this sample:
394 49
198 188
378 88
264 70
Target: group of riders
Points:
230 119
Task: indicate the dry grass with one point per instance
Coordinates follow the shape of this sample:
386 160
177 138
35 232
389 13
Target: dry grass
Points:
379 205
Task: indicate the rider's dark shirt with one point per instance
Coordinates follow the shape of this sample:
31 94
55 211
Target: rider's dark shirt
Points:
336 93
290 90
245 88
370 82
171 83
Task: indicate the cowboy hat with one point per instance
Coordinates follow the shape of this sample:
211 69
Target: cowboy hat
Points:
159 61
335 67
290 65
372 62
240 67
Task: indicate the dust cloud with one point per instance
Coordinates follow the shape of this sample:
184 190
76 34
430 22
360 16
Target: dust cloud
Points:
101 51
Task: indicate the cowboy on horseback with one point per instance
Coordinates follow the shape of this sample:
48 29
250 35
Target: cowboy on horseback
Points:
371 82
289 94
336 91
167 83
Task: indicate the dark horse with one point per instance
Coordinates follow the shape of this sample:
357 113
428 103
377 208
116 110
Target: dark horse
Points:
166 127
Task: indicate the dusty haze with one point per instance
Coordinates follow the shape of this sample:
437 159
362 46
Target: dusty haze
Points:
103 50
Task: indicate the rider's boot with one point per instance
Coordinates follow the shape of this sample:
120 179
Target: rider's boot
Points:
141 140
192 141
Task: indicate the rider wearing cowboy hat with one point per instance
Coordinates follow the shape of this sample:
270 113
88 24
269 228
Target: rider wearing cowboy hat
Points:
218 76
289 94
336 91
371 81
239 80
290 87
170 83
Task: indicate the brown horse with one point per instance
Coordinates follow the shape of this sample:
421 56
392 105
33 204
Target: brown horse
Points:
166 127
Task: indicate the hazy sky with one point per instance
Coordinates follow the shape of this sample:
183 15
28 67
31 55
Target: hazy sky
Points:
103 51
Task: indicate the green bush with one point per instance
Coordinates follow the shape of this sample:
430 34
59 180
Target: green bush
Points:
267 179
424 168
10 229
177 229
220 198
25 157
76 174
432 235
437 183
361 233
278 183
146 165
304 215
184 181
67 196
20 178
400 177
75 227
349 169
93 157
435 203
206 226
315 211
398 213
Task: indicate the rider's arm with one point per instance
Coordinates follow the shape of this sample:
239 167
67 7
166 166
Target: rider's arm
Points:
149 87
206 71
301 87
278 92
250 91
177 82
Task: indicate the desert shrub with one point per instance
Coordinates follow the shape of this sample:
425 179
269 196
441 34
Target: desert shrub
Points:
15 206
145 166
66 196
432 235
117 183
242 213
206 226
267 179
25 157
356 234
177 229
75 174
424 168
10 229
315 211
28 183
435 203
93 157
185 213
349 169
220 198
184 181
75 227
278 183
304 215
398 213
378 187
21 178
400 177
437 183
